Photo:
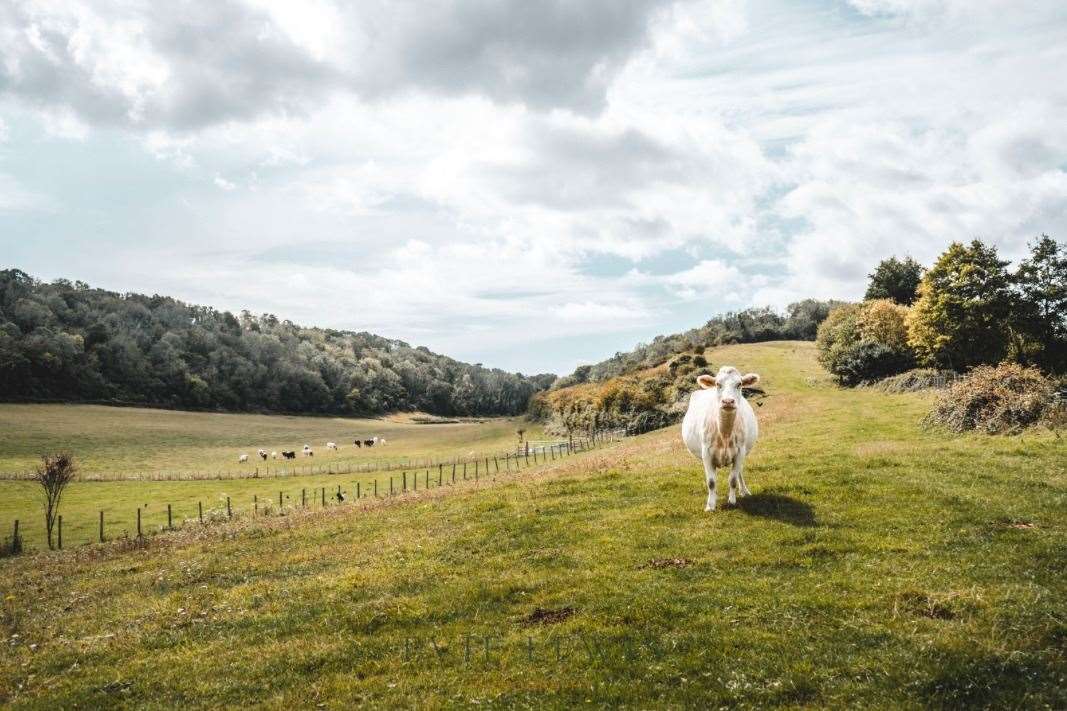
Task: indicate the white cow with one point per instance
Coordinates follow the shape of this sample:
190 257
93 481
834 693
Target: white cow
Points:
331 445
273 455
307 451
720 428
242 459
382 441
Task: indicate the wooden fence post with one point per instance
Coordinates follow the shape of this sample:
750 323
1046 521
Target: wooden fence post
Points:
255 504
496 463
324 497
229 510
200 510
304 498
404 485
15 538
101 526
170 521
139 534
60 531
376 488
280 501
464 471
358 494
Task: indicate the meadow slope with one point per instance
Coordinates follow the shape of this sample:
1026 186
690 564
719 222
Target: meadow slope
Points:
878 564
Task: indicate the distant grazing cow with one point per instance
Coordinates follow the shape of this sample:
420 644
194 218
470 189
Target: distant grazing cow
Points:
331 445
262 454
273 455
720 428
340 497
291 454
242 459
382 441
368 443
358 443
307 451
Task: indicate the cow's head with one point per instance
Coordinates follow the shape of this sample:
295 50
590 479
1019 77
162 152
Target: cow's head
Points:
727 384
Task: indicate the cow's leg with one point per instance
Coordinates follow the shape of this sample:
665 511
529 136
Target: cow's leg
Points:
709 477
741 475
736 481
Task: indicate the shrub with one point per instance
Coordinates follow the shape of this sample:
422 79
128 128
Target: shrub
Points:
864 342
916 379
885 322
837 333
868 360
648 421
1001 399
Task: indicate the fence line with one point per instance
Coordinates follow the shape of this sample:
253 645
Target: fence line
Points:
458 473
339 468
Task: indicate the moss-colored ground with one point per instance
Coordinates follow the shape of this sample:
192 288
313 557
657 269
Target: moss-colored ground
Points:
877 564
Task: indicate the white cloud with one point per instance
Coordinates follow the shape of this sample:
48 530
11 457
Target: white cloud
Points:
434 170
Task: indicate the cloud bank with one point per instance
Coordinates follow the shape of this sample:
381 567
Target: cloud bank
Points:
523 184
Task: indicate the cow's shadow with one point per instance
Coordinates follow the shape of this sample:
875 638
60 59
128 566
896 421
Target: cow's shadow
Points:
780 508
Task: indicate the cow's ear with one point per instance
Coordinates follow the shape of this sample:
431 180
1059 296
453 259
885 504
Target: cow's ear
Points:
706 381
750 379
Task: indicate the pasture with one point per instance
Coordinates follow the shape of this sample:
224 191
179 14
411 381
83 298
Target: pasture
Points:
145 441
132 442
878 564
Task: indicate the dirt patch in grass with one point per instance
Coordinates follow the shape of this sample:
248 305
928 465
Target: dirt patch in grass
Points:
935 606
543 616
659 563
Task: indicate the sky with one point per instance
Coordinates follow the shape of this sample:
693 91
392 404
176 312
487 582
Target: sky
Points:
528 185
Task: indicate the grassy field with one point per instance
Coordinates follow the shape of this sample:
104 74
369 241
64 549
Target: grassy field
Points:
133 441
878 564
98 436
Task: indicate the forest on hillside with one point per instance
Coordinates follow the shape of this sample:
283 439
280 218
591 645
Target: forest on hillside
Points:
70 342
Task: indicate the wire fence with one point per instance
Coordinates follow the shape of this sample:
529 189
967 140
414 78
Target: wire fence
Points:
441 474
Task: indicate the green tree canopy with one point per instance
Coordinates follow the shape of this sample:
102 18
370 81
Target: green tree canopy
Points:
1040 319
961 318
895 279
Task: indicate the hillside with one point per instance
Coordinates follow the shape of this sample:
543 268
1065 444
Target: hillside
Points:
648 386
877 564
69 342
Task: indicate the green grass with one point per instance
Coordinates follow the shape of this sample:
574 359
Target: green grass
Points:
110 441
878 564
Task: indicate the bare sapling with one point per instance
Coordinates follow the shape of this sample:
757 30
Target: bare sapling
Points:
55 472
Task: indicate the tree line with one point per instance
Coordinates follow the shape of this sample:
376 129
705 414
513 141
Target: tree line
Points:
968 309
68 341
